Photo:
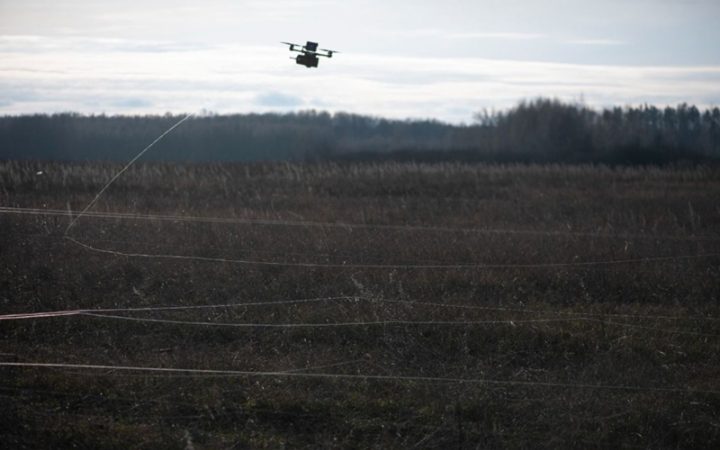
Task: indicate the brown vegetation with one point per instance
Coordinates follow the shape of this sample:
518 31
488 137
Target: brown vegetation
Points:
630 366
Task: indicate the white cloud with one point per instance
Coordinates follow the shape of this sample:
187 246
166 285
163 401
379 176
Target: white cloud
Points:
126 76
410 34
445 34
29 44
509 36
594 42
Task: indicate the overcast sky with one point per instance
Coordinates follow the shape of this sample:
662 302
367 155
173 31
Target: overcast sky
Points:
419 59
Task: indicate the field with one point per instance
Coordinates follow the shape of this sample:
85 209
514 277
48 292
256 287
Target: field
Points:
359 306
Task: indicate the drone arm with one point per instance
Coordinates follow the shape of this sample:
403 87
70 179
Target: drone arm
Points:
329 53
293 47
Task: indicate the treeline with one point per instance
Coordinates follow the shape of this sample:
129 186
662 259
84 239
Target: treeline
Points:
536 131
236 137
563 132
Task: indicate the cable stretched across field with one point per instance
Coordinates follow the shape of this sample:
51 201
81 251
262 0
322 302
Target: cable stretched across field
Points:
311 375
389 266
395 322
117 175
304 254
226 249
411 303
392 322
343 225
330 324
73 312
346 225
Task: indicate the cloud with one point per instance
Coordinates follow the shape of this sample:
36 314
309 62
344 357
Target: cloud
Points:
436 33
509 36
41 44
133 103
16 93
410 34
258 79
277 99
593 42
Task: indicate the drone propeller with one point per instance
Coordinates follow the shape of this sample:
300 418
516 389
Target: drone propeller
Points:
292 46
329 51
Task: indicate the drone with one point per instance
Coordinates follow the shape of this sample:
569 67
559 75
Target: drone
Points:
309 56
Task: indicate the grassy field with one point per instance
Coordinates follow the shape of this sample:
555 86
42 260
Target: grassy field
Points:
392 306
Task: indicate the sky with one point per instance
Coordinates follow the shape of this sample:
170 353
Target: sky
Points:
419 59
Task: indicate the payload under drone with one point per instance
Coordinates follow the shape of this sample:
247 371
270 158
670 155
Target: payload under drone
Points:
309 53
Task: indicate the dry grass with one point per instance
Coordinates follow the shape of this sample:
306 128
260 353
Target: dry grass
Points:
626 213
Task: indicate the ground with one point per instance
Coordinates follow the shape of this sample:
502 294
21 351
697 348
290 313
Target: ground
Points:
464 306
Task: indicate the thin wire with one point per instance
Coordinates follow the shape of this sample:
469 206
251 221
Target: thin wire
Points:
117 175
550 311
345 225
316 255
161 308
346 298
393 322
302 369
326 366
40 315
311 375
226 305
388 266
94 200
448 265
327 324
238 250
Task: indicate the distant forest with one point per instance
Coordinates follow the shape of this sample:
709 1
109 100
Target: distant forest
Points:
542 130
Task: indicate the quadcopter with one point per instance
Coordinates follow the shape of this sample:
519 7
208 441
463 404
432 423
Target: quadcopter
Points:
309 56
